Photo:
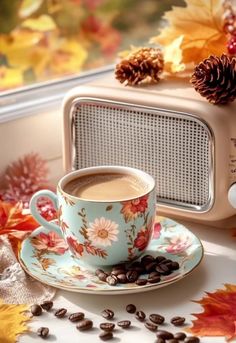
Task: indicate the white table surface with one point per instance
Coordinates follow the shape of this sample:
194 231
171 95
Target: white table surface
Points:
217 267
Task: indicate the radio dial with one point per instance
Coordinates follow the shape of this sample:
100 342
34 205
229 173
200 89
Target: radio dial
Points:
232 195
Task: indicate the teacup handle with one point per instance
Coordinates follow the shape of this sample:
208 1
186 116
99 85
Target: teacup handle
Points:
34 210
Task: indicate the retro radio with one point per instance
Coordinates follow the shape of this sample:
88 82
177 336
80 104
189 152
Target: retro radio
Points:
168 130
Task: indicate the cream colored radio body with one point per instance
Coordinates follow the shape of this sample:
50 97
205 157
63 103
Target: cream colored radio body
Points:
168 130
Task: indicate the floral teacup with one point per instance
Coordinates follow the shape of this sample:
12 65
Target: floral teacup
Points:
102 232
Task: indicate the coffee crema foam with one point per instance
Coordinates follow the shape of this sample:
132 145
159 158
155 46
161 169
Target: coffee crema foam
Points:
106 186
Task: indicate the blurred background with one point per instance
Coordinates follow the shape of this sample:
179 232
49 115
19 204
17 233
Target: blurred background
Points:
44 40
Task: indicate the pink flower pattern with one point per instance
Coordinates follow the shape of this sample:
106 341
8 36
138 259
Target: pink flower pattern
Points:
156 231
49 243
178 244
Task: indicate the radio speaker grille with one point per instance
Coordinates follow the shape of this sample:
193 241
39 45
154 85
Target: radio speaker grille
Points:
173 147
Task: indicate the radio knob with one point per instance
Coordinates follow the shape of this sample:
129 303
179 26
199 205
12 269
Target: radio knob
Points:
232 195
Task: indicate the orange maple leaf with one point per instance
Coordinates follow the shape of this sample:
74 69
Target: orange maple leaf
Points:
219 315
13 320
13 219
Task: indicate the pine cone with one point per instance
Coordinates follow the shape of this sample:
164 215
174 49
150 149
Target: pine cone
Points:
145 64
215 79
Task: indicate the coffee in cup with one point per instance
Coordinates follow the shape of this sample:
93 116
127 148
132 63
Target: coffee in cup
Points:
105 213
106 186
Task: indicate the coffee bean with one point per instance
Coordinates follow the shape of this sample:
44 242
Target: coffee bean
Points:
154 279
98 271
106 335
132 275
166 261
117 272
47 305
122 278
102 276
124 324
163 269
43 332
119 267
147 259
153 274
131 308
177 321
150 326
160 340
164 334
84 325
76 317
112 280
160 259
192 339
140 315
174 265
108 314
173 340
36 310
150 267
107 326
156 318
60 313
141 282
180 336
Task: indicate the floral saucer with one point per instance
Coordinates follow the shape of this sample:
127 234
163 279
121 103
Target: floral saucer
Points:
44 255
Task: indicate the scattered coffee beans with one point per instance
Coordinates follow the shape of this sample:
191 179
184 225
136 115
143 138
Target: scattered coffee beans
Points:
155 267
140 315
108 314
122 278
160 340
76 317
43 332
163 269
98 271
157 318
84 325
192 339
107 326
173 340
47 305
131 308
132 275
180 336
60 313
147 259
151 326
164 334
106 335
154 279
124 324
36 310
174 265
102 276
177 321
112 280
141 282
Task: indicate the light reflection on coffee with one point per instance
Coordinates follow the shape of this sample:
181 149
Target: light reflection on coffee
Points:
106 186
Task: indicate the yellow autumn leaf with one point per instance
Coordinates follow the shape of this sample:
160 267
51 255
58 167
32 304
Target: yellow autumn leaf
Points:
200 24
43 23
173 56
19 46
28 7
13 319
68 58
10 78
